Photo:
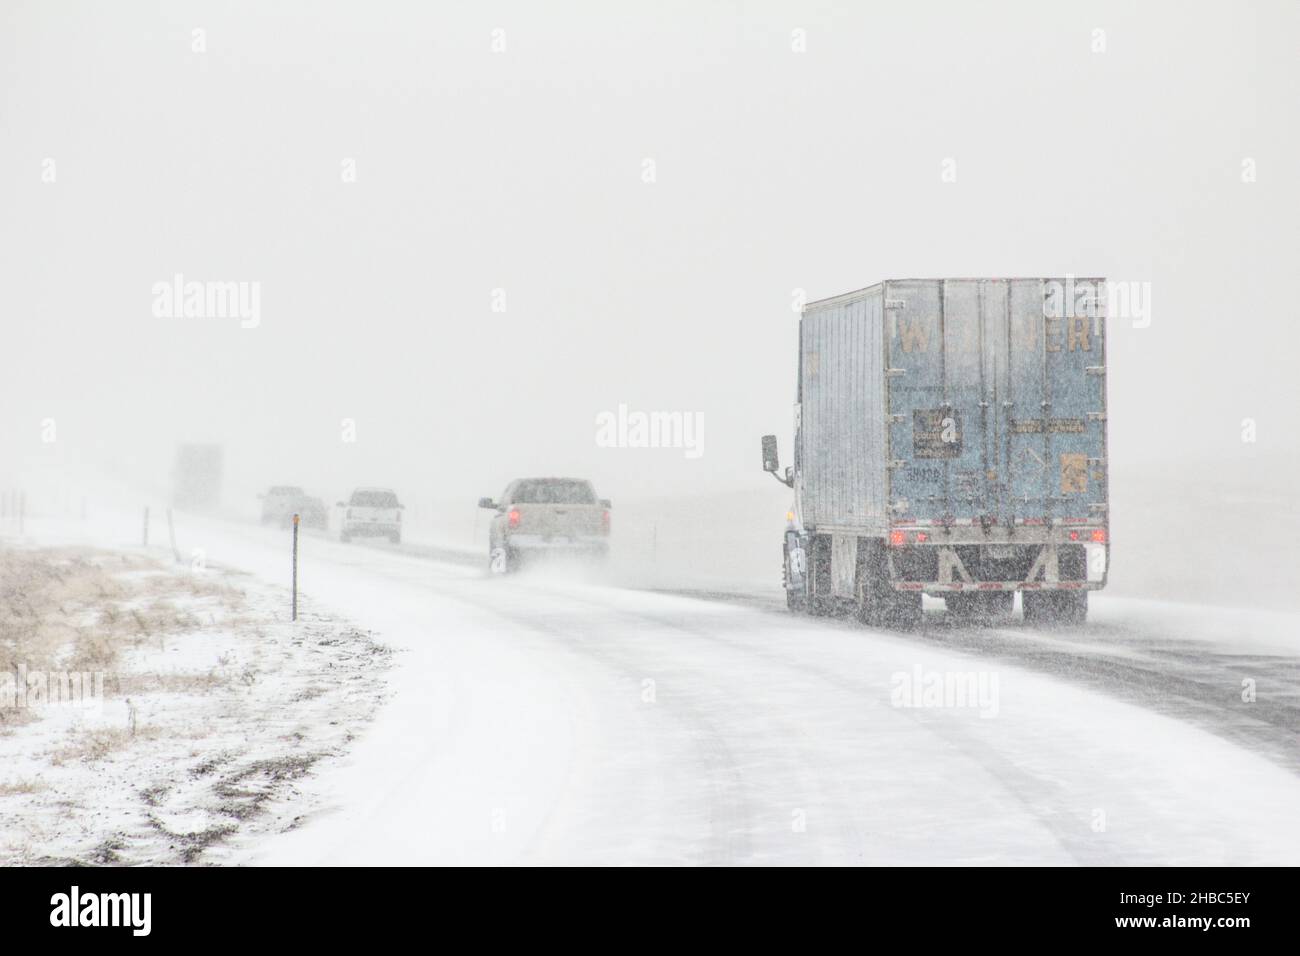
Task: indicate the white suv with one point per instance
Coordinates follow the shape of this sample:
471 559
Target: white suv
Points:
372 512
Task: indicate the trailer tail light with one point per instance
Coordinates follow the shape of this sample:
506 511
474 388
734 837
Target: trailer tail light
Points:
513 517
604 522
1099 536
922 537
897 539
1074 536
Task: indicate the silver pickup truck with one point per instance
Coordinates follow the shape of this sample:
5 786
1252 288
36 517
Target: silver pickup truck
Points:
546 515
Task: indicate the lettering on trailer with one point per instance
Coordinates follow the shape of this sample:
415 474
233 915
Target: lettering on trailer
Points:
1056 426
913 334
811 364
1074 334
936 433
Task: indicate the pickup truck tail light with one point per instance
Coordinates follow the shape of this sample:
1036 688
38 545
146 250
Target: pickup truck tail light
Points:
513 517
604 522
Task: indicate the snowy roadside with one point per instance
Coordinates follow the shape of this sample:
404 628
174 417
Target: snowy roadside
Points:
157 715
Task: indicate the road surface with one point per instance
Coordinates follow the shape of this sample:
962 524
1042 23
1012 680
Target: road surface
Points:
543 719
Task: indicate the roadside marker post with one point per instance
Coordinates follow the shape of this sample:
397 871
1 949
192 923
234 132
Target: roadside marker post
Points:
295 567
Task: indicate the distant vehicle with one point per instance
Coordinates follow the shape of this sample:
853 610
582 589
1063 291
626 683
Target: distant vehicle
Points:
950 440
546 515
282 502
372 512
312 513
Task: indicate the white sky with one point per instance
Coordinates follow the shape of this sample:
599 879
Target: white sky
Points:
522 170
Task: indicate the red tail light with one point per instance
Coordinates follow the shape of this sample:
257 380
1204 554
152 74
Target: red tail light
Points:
1099 536
604 522
513 517
897 539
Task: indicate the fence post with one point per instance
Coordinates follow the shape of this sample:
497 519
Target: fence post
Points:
295 566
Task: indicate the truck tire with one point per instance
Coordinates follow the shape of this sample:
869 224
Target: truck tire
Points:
1055 608
1074 607
878 603
821 596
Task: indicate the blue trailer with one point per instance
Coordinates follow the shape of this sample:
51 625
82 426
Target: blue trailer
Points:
950 439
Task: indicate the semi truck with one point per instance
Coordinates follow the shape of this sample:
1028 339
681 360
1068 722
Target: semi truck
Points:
949 440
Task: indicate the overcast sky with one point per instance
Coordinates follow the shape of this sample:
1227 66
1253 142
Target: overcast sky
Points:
793 146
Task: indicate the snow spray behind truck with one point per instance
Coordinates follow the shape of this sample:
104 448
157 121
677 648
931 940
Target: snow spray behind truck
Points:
950 439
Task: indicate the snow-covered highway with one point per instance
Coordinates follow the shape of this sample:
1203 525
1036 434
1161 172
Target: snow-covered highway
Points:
541 719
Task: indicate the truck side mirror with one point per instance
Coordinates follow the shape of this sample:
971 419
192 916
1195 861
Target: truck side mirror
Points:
487 503
604 503
770 460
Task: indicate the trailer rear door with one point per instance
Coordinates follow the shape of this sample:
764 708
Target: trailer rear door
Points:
995 405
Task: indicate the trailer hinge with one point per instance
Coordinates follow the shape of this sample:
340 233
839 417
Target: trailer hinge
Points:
895 419
895 304
1098 506
896 463
1095 369
1096 462
1096 416
895 372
